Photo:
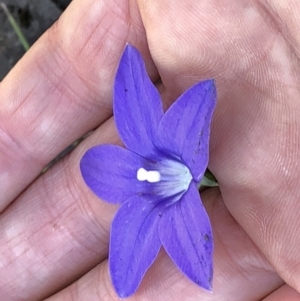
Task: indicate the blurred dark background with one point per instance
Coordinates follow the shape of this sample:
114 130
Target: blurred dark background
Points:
33 17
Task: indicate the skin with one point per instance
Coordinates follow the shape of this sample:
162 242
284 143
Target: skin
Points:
54 232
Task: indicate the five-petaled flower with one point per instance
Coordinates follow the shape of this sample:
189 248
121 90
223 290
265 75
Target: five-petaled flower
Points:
155 178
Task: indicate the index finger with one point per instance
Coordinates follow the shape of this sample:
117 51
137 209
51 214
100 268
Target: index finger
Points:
61 89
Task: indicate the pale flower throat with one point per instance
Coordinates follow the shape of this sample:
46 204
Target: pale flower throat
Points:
169 178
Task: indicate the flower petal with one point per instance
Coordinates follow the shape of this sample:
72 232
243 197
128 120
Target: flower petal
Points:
185 233
185 128
110 172
134 244
137 104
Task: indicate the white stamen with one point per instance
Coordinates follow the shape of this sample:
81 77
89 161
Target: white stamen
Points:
151 176
141 174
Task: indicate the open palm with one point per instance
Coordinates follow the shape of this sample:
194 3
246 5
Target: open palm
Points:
54 231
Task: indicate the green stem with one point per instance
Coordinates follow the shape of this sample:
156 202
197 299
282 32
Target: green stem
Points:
16 27
208 180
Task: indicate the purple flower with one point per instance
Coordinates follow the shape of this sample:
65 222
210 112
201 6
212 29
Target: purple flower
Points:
155 178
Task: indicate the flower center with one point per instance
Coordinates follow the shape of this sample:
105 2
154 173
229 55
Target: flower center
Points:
168 178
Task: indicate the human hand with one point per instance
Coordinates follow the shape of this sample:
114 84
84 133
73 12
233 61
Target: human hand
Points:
56 232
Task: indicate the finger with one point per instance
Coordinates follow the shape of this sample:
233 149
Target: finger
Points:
55 231
62 87
195 50
283 293
251 48
239 266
